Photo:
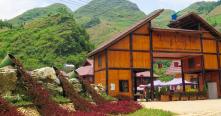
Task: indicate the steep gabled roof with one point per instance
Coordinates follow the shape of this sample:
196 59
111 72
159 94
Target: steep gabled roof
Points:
189 20
119 36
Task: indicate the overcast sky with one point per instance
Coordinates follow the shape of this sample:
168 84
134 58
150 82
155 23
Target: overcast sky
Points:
12 8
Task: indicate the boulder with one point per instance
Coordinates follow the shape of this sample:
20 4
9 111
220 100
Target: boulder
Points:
8 80
47 74
76 84
48 78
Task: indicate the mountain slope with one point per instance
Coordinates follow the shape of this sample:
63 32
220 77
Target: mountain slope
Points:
202 8
49 41
214 17
164 18
39 13
105 18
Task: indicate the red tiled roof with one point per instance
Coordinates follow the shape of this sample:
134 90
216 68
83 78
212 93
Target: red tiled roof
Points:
145 74
88 62
85 71
172 70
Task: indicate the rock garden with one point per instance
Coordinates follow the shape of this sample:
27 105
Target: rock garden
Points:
51 92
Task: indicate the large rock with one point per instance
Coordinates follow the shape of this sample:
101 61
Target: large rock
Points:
47 74
48 78
76 84
8 80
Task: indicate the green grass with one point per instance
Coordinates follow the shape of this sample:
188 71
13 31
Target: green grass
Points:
60 99
151 112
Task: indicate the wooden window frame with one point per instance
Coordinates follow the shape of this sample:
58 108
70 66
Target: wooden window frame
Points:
99 59
121 88
191 62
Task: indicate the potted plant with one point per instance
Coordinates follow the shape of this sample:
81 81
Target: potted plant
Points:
192 95
176 97
164 94
157 95
184 97
203 95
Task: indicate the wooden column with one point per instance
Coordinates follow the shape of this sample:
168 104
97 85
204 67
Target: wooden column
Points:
218 58
202 62
151 60
183 77
131 65
107 75
94 69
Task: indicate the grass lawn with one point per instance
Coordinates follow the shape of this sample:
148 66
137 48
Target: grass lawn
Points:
151 112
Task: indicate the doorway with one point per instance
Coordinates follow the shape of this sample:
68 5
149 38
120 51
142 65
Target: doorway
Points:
212 90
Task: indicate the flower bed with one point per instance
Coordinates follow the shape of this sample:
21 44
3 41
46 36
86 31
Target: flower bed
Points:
119 107
47 107
98 99
6 109
40 96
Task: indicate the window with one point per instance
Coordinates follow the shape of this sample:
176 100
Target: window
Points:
124 85
99 60
176 64
191 62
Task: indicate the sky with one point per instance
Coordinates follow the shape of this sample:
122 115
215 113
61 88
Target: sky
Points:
12 8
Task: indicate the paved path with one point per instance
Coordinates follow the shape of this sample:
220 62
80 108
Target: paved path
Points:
188 108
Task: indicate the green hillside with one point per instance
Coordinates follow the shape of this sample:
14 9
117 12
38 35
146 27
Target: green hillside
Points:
105 18
214 17
201 8
52 40
163 19
39 13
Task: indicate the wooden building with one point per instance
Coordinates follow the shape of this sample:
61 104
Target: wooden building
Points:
189 39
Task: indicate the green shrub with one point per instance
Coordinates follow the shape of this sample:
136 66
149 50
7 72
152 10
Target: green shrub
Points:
60 99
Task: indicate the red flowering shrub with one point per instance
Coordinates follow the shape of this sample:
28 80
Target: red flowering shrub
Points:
6 109
98 99
119 107
79 103
40 96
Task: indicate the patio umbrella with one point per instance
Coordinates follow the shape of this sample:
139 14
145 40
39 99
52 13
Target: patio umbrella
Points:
157 83
177 81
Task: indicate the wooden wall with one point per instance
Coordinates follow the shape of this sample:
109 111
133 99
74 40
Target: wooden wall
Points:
197 64
103 66
210 52
173 41
99 71
114 77
100 78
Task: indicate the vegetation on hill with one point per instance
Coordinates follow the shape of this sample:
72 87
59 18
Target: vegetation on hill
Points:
201 8
52 40
35 13
164 18
51 36
105 18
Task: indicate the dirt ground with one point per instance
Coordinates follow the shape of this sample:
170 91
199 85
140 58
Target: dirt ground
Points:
188 108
